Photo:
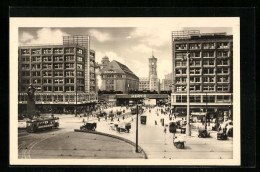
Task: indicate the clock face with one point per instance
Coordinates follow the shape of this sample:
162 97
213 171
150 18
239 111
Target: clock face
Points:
152 63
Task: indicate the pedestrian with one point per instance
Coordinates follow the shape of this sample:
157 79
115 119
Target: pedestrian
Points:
83 120
165 130
155 122
118 119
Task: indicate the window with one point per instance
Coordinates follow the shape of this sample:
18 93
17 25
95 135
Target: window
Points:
80 59
69 88
58 73
208 46
180 88
222 45
223 79
210 99
92 69
69 81
195 54
69 50
222 88
47 66
79 73
46 51
47 88
180 63
25 59
181 80
36 66
80 81
194 79
79 51
195 63
222 54
58 66
36 59
46 59
47 81
69 73
25 51
209 88
178 98
80 88
26 81
36 73
208 79
58 88
194 88
79 66
194 46
58 50
58 58
208 54
69 65
58 81
181 46
25 66
180 55
46 73
223 98
36 81
208 63
195 99
195 71
222 70
26 73
69 58
222 62
36 51
208 71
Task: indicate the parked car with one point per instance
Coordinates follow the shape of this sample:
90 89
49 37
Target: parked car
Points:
89 126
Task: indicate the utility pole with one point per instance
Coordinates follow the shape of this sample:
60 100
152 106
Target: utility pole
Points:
136 146
188 129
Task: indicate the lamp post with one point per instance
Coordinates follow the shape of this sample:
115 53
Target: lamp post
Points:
136 145
188 128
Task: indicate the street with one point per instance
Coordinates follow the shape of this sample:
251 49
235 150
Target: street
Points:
65 143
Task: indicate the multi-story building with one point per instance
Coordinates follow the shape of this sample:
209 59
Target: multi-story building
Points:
210 72
58 73
118 77
144 84
167 82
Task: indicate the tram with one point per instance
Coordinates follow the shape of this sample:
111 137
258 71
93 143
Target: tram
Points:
42 124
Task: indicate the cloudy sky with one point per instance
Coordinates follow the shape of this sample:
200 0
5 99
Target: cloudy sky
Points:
131 46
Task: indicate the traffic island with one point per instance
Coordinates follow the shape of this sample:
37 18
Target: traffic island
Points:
140 150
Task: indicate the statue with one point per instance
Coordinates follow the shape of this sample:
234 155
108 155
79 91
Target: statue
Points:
30 102
30 92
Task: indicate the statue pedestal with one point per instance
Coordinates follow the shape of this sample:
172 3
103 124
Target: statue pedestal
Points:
30 108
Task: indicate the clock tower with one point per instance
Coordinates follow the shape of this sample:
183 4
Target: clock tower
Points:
152 66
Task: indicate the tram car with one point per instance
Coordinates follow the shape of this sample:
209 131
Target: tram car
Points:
39 124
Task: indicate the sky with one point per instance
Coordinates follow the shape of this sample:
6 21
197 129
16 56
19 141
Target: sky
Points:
132 46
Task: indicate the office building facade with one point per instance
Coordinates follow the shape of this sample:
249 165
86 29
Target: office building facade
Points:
59 75
211 72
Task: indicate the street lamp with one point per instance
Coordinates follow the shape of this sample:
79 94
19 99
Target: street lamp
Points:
188 128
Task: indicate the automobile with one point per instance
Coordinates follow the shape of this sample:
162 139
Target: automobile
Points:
221 135
203 133
124 127
89 126
143 119
178 142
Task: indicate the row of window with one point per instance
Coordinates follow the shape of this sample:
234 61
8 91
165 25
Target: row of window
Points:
220 79
50 51
204 98
220 88
50 58
50 73
198 71
205 54
57 98
113 76
55 81
196 46
222 62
